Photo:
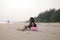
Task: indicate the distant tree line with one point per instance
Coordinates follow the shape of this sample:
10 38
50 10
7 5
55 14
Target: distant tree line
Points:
51 15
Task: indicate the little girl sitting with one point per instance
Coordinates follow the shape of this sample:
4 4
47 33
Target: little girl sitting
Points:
31 24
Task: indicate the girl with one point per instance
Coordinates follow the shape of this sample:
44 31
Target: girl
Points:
32 24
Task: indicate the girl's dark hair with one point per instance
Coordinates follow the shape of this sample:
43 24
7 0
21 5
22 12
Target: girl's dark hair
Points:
31 19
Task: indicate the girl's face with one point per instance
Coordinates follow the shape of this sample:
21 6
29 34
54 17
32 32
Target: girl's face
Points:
30 20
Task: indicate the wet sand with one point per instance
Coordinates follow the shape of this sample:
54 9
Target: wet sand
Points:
47 31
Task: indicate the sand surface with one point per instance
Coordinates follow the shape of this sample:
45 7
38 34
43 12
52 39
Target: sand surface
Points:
47 31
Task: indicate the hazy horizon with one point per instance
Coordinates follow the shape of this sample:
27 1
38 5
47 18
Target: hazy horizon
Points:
21 10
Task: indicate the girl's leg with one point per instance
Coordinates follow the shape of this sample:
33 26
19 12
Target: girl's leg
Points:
25 28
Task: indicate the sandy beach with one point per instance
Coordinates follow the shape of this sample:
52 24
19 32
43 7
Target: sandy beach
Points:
46 31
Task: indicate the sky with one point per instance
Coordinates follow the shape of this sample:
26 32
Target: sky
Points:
22 10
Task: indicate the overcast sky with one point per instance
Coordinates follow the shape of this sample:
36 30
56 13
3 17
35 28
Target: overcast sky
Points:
21 10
